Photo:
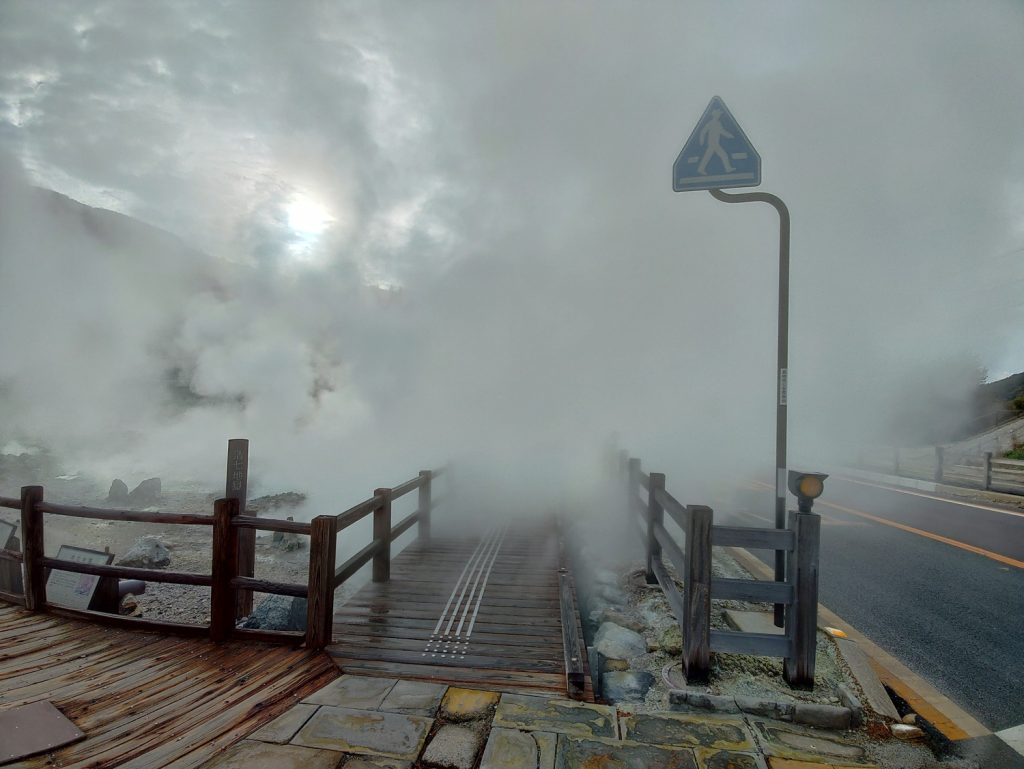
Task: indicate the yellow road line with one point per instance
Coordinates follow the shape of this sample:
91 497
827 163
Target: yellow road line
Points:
921 533
914 493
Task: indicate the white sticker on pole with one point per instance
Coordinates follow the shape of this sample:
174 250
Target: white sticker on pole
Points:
783 384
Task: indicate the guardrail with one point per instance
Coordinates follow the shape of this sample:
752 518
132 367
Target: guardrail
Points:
648 502
940 464
224 579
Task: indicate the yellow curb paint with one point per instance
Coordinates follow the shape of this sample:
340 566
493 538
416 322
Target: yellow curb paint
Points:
948 717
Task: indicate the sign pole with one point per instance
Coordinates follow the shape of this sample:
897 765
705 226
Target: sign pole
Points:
782 399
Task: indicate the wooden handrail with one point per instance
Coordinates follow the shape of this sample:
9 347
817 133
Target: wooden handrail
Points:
11 502
359 511
136 516
271 524
406 523
266 586
357 561
130 572
404 488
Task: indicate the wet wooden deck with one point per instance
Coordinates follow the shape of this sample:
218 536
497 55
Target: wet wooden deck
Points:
471 611
143 699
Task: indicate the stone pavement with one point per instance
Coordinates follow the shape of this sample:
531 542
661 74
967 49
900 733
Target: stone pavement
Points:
357 722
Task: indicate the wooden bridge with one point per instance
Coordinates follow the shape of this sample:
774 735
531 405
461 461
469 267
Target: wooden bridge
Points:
489 609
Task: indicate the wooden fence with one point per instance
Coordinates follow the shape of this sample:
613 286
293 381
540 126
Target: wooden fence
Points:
649 502
224 580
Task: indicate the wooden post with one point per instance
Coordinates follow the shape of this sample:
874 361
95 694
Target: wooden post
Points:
697 593
32 548
655 515
320 592
224 569
382 532
802 615
426 479
632 482
236 487
938 464
987 480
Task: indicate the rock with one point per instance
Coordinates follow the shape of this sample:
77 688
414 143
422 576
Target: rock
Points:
278 612
757 706
850 700
612 595
509 749
906 732
466 704
286 541
453 747
910 718
611 615
654 611
671 640
626 686
274 501
118 492
683 699
146 493
612 666
130 606
147 553
619 643
822 716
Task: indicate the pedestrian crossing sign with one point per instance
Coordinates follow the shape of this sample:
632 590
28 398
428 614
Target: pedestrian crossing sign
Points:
717 155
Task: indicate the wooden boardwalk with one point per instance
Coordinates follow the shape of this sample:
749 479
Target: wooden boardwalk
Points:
143 699
476 611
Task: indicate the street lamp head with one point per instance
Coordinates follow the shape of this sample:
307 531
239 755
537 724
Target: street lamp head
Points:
807 487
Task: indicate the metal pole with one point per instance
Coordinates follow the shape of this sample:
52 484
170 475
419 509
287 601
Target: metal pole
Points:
782 401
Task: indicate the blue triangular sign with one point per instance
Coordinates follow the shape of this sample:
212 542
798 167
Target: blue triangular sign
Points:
717 155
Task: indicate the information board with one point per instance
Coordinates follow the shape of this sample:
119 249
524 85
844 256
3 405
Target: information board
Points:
75 590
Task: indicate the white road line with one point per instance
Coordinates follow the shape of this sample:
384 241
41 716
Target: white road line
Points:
1014 737
932 496
456 587
496 545
487 576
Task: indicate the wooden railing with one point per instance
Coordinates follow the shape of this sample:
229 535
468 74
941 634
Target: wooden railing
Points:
224 580
648 502
940 464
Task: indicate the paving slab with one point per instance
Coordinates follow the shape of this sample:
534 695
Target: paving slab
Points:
453 747
420 698
466 704
722 732
545 714
713 758
250 754
877 698
368 762
359 692
547 749
580 753
509 749
390 735
778 739
284 727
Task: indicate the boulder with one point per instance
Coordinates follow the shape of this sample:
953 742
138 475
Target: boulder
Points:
278 612
146 493
147 553
619 643
626 686
611 615
118 493
670 640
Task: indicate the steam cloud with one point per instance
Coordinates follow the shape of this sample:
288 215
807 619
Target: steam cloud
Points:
504 277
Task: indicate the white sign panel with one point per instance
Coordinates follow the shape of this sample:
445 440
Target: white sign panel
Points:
75 590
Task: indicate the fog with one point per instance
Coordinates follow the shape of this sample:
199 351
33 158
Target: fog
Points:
403 235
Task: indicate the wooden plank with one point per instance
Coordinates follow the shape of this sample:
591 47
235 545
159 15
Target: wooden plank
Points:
404 488
223 606
752 538
356 562
574 650
320 591
358 512
265 586
752 590
136 516
271 524
762 644
129 572
407 523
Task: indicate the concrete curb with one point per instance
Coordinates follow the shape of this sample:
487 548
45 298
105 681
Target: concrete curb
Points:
806 713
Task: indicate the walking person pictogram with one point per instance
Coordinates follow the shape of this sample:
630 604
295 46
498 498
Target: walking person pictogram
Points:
712 133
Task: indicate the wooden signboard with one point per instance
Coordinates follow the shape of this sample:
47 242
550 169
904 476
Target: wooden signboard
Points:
75 590
10 571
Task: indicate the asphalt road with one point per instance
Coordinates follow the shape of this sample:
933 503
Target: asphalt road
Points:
953 616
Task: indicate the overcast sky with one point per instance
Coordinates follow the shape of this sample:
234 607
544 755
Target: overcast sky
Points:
508 165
